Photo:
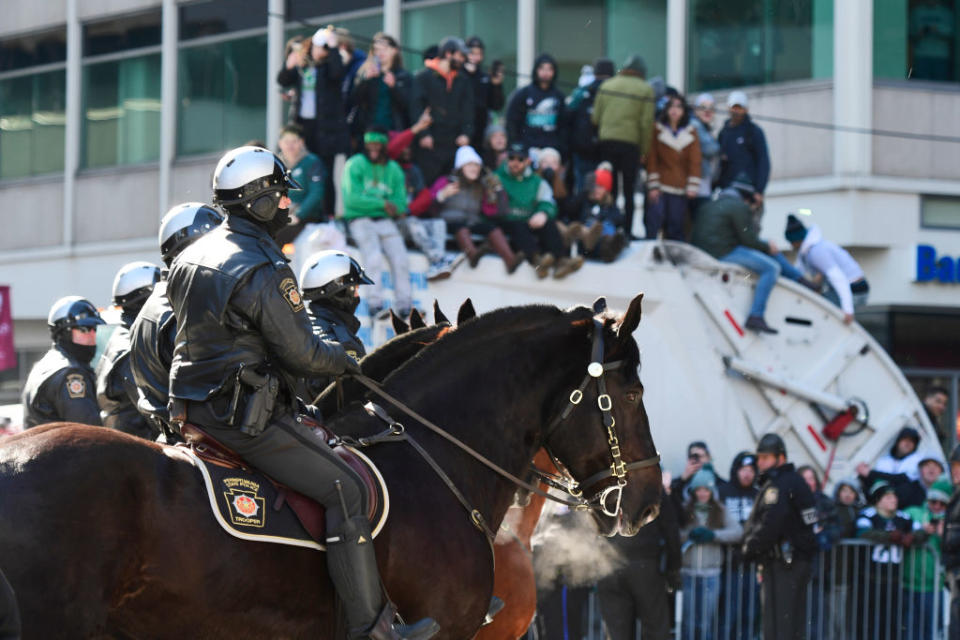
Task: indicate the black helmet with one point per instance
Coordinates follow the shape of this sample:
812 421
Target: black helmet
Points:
254 179
183 224
133 284
72 312
771 443
330 275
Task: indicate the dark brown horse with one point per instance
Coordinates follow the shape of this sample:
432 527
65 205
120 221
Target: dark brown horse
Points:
104 535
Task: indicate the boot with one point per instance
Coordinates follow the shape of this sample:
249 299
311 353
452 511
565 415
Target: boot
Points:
501 246
570 232
352 565
592 236
566 266
758 324
465 242
543 263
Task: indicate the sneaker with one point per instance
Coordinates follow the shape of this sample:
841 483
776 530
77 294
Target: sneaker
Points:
758 324
543 264
456 260
439 270
566 266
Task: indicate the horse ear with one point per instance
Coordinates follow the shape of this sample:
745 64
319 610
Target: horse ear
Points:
466 312
399 326
416 320
600 305
631 319
438 315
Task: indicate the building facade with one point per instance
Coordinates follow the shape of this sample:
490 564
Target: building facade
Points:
113 110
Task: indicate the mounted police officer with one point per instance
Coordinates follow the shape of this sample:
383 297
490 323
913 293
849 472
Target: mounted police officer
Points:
116 389
154 331
329 282
779 536
243 339
61 385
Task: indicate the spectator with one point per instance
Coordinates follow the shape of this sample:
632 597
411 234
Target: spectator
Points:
494 146
698 457
848 501
383 88
824 259
673 172
891 531
935 404
848 561
431 53
535 115
597 221
912 487
743 149
446 91
921 580
583 133
373 196
708 526
950 548
741 594
638 591
623 115
352 59
487 88
827 532
317 76
530 220
903 459
702 120
725 229
550 167
469 202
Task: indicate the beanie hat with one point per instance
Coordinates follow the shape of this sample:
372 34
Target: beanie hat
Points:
465 155
703 478
879 489
603 67
795 231
704 99
603 177
636 64
492 128
940 490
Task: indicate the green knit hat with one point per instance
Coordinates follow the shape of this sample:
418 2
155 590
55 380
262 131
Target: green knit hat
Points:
940 490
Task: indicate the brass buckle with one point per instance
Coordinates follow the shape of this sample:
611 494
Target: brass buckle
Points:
604 399
576 396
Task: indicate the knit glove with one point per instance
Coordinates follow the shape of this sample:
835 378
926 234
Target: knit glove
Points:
702 535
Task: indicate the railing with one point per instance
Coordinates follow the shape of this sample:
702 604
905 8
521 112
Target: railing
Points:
859 591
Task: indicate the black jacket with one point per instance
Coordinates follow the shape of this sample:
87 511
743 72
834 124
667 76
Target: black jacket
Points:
152 337
537 117
366 93
237 305
60 387
116 388
487 97
330 124
950 547
785 511
452 110
333 325
660 537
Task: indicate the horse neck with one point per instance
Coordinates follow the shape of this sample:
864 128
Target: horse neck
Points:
530 515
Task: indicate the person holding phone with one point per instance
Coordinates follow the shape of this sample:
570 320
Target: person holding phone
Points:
382 89
698 457
487 88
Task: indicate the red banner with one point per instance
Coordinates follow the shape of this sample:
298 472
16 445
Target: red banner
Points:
8 356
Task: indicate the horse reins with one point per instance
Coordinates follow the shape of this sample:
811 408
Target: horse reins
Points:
618 468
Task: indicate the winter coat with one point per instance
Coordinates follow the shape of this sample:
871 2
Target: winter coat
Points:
583 132
724 224
309 200
709 156
708 557
526 195
367 185
624 111
835 263
329 122
470 205
487 97
376 103
673 160
920 565
743 149
536 116
450 100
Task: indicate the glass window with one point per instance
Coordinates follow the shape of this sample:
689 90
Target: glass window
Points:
221 16
940 211
32 50
121 122
133 32
637 27
572 32
222 95
916 39
749 42
426 26
495 21
32 121
306 9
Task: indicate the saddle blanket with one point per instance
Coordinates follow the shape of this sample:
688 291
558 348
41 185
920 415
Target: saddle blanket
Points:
249 506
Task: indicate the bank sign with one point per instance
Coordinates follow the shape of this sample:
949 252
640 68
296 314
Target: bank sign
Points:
932 267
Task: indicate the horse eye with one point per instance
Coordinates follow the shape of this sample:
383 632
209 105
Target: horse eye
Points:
633 397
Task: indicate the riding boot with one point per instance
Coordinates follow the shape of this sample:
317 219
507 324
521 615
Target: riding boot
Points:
501 246
352 565
472 251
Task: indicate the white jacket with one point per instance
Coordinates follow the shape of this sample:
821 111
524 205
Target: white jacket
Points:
821 256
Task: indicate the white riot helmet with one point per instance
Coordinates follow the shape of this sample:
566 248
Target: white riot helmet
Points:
133 284
253 179
331 275
72 312
183 224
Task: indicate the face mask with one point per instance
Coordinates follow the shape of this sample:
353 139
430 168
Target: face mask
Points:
280 220
81 352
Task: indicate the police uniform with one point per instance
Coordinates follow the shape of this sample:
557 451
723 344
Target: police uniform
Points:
116 389
335 325
152 337
779 536
60 388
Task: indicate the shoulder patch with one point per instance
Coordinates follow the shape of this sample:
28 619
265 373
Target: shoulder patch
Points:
76 385
290 293
771 495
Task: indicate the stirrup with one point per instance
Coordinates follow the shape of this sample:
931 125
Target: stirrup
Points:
385 629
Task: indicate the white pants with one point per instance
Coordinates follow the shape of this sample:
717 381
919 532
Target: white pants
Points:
378 238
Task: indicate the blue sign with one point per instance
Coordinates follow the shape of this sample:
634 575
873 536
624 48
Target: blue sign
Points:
930 267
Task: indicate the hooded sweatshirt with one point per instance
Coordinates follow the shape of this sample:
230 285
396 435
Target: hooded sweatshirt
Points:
817 255
536 116
907 465
735 498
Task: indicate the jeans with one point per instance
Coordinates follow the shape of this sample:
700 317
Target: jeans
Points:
766 268
669 212
427 234
918 616
740 613
701 595
376 238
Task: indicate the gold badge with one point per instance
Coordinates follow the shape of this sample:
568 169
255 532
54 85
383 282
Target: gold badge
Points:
76 385
290 293
771 495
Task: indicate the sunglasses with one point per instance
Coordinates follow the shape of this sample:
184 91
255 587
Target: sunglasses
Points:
86 329
513 157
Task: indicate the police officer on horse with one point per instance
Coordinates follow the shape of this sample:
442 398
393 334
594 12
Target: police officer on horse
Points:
779 536
243 340
61 385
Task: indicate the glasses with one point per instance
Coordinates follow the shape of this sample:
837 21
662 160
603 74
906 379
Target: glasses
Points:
706 108
516 158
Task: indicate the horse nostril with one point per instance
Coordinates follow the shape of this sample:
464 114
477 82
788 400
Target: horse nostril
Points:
649 514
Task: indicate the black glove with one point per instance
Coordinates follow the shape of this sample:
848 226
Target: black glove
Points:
673 581
350 366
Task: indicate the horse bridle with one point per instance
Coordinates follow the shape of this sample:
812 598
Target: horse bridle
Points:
618 468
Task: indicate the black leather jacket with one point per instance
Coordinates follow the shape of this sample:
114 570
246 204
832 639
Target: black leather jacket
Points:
335 325
152 338
60 387
116 388
950 548
237 305
785 511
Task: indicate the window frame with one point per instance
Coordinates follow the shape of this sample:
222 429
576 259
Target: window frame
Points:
938 196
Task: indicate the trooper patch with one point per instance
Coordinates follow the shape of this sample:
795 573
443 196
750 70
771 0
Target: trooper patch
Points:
76 385
771 495
290 293
809 516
